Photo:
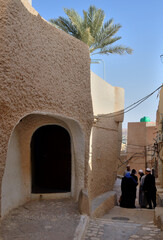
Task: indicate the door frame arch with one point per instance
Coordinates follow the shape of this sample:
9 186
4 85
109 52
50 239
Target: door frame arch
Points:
18 159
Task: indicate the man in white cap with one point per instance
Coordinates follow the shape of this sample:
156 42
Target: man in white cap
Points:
149 188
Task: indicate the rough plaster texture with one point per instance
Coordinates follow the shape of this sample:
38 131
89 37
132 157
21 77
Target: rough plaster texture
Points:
43 71
122 167
159 122
106 136
160 131
106 98
140 139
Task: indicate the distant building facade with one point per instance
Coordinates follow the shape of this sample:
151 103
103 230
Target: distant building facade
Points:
140 143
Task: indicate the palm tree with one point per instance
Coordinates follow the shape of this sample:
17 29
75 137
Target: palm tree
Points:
92 30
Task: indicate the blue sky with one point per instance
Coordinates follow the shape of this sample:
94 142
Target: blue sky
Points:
142 30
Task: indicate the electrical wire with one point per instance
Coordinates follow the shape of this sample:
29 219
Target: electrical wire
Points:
144 98
130 107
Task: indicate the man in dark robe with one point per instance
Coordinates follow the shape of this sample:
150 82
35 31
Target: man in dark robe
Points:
149 188
133 174
128 186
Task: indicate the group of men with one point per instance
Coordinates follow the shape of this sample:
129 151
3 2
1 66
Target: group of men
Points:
147 189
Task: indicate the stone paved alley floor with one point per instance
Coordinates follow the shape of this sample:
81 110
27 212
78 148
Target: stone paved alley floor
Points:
124 224
41 220
58 220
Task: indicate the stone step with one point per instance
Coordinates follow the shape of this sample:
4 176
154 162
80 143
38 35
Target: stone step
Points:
103 203
158 217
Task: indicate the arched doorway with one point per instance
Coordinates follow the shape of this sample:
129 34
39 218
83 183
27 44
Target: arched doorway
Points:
51 160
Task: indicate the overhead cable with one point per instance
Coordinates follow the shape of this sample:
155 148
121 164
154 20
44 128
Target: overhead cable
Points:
132 106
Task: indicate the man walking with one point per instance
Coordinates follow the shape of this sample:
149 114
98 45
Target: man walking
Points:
149 188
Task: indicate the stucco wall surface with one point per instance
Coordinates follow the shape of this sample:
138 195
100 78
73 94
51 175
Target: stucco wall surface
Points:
42 70
140 139
106 135
160 131
106 98
136 142
161 101
136 133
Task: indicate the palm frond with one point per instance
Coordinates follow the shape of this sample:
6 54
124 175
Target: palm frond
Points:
97 24
112 30
106 42
90 14
65 25
109 23
75 18
85 20
87 37
91 29
121 50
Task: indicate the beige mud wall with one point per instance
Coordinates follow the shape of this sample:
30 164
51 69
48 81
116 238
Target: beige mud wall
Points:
140 140
43 70
136 145
151 132
106 135
160 143
13 185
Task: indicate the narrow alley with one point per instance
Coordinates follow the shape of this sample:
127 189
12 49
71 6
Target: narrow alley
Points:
122 223
70 122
